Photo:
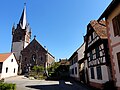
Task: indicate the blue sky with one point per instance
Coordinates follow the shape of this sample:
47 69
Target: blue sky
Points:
58 24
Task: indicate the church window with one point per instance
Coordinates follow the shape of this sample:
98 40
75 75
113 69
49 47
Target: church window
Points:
34 57
41 58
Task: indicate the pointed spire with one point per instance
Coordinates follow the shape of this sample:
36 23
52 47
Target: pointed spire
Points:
23 20
13 28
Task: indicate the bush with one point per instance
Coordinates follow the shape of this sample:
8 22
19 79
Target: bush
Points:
2 80
38 69
6 86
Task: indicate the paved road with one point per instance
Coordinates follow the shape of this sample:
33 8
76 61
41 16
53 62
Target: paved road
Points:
26 84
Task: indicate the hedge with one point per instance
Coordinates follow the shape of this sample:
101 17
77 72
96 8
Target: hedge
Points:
7 86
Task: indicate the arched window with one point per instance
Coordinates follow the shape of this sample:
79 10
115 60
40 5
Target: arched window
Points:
34 57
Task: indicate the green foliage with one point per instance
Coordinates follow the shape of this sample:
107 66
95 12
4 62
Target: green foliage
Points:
37 72
53 67
38 69
7 86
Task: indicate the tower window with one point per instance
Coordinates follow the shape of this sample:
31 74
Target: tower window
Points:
25 59
20 38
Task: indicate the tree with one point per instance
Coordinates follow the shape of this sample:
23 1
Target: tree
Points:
38 69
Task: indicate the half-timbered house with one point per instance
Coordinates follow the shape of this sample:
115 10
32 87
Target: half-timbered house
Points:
97 53
112 17
77 64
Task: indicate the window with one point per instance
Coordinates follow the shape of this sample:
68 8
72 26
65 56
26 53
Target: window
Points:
75 70
1 66
99 73
91 56
118 58
14 70
116 25
34 57
92 73
97 52
6 69
25 59
41 58
92 36
11 60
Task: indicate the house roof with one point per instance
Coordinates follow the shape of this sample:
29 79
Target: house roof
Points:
109 9
33 43
99 28
4 56
64 62
76 52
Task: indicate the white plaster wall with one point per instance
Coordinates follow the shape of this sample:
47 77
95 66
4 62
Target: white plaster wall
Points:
105 76
85 67
73 66
11 66
81 52
116 67
114 40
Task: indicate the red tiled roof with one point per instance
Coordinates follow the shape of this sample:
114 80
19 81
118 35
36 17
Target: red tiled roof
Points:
100 28
4 56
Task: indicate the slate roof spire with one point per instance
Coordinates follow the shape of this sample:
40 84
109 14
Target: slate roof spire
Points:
23 20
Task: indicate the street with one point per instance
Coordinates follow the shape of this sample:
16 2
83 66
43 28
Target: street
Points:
23 83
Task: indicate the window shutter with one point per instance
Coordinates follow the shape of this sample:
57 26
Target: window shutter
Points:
118 57
115 25
118 24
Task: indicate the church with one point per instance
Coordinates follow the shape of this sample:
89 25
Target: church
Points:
28 53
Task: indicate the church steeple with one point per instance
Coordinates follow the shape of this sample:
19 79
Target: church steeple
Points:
23 20
21 35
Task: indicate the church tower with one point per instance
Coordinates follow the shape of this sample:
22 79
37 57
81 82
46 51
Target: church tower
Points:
21 35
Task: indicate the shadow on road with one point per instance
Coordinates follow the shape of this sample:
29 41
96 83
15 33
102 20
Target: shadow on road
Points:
61 86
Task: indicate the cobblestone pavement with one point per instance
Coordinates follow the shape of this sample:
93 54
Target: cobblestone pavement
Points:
23 83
